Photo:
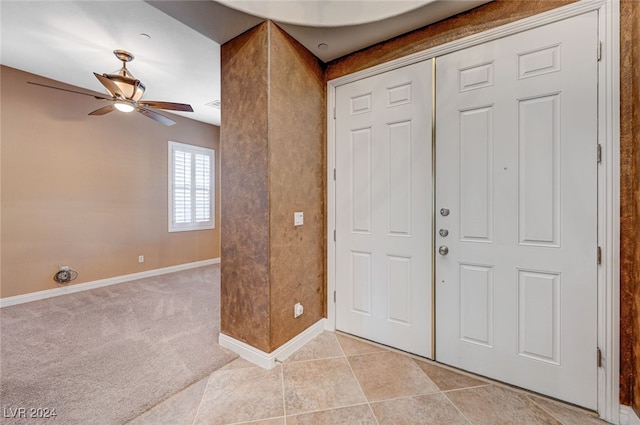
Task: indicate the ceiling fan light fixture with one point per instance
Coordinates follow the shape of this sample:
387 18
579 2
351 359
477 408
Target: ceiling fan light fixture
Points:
125 92
131 88
123 107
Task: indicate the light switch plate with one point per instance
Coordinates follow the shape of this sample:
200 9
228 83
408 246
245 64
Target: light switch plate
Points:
298 218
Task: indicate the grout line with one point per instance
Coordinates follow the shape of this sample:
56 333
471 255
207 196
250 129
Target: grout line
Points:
202 399
382 347
453 369
362 391
453 390
335 335
329 409
562 405
384 400
284 401
458 409
312 360
255 421
372 413
370 353
544 410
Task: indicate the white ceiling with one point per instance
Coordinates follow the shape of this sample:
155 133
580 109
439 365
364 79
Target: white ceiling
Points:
68 40
346 26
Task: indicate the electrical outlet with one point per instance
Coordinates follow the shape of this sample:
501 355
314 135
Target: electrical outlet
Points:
298 310
298 218
140 258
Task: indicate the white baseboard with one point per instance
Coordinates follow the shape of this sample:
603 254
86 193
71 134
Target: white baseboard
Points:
268 360
63 290
628 416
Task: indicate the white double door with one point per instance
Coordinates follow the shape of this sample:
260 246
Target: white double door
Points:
515 236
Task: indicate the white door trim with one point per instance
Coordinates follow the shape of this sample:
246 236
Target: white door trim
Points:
608 176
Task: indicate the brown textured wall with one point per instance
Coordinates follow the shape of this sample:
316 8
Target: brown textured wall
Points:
273 165
296 178
88 192
500 12
482 18
630 203
245 188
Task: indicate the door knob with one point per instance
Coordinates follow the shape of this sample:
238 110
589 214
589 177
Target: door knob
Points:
444 212
444 233
443 250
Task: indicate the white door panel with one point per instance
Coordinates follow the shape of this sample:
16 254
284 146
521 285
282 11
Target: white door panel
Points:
383 208
516 127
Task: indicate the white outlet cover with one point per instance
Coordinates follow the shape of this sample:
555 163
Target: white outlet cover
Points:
298 218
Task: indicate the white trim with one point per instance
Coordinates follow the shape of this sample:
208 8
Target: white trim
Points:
331 208
608 178
609 213
628 416
63 290
554 15
269 360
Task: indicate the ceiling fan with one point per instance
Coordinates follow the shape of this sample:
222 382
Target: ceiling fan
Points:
126 94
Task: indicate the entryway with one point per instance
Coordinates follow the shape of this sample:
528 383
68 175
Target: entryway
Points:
497 216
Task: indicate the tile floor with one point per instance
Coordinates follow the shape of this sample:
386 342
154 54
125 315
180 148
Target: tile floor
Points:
336 379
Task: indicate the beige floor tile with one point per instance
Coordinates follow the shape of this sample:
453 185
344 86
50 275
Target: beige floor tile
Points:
274 421
447 379
180 409
323 346
566 414
496 405
238 363
320 385
242 395
352 415
390 375
352 346
433 409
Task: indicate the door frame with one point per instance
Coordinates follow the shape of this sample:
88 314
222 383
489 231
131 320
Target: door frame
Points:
608 174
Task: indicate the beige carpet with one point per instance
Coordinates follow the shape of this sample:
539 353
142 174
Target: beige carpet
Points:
105 356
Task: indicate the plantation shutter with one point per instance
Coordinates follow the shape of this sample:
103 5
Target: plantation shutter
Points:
203 188
190 187
182 186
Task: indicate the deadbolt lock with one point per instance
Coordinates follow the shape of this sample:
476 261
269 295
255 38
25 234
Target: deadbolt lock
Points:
444 212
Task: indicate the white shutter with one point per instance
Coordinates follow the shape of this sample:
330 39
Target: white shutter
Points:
182 187
191 194
203 188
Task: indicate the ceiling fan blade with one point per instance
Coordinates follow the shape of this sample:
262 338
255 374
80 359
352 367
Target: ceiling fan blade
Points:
110 86
170 106
70 91
155 116
103 110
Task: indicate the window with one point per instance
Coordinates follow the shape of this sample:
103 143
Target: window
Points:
191 188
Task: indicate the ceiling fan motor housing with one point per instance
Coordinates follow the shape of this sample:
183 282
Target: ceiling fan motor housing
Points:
130 88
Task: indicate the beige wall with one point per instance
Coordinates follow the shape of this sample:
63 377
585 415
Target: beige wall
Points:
88 192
